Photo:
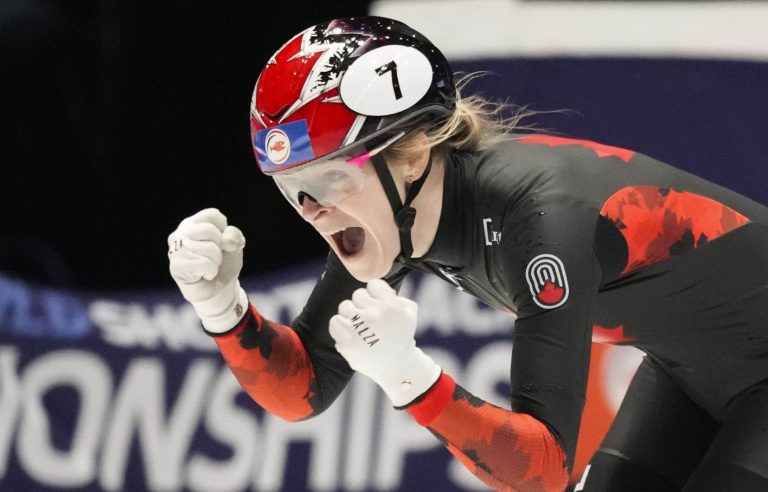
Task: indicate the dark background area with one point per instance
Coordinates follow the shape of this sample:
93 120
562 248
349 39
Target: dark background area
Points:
121 118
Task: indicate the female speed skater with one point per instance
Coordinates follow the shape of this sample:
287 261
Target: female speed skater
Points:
360 124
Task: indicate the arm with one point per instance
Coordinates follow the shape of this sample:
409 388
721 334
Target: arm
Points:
504 449
531 446
272 365
509 451
293 372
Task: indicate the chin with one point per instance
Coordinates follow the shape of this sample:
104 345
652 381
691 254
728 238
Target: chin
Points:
368 264
373 260
365 270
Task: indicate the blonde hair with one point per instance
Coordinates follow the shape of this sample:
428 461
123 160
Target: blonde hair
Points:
475 124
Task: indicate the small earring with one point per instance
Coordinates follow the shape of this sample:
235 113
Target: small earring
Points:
409 179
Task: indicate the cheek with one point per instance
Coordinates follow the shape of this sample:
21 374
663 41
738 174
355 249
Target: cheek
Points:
371 208
370 204
377 211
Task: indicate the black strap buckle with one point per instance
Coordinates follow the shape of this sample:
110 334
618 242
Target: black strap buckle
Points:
405 218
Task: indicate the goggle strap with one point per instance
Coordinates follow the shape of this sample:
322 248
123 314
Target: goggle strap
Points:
415 187
405 215
380 165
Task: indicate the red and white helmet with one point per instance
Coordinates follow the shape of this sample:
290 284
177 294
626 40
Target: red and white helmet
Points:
341 84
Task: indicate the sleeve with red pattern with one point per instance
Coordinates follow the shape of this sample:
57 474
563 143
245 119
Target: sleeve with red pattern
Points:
271 364
508 451
294 372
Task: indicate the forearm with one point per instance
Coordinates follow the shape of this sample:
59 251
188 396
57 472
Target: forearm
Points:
506 450
272 365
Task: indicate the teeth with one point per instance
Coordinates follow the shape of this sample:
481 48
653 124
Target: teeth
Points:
337 231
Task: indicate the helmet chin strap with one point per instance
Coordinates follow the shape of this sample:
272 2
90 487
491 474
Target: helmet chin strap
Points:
405 215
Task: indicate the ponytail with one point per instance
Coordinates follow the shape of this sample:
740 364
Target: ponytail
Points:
475 124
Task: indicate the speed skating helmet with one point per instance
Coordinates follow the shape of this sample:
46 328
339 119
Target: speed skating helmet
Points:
342 84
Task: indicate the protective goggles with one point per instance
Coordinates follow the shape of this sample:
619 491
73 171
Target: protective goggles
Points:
329 182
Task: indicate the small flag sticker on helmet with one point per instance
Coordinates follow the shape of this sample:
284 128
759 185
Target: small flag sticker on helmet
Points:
277 146
280 146
546 279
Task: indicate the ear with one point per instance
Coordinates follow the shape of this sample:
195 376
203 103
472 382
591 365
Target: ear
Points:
418 160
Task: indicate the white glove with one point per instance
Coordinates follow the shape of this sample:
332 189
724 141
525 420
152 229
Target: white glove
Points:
206 256
375 333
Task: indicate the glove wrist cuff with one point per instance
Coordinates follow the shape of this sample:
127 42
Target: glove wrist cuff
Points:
219 315
414 376
426 408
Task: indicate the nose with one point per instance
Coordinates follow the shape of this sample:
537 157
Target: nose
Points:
311 210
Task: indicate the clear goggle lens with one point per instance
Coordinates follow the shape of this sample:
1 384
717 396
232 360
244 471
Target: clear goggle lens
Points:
329 182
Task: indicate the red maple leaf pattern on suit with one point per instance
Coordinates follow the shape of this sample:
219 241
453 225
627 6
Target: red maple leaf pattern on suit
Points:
551 294
660 223
271 364
613 335
508 451
600 149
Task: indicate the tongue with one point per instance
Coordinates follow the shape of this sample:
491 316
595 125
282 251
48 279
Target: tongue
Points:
352 239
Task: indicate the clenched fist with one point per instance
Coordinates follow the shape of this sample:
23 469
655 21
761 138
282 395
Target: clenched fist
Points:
206 256
374 331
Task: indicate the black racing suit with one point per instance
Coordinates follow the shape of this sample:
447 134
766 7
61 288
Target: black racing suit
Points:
580 240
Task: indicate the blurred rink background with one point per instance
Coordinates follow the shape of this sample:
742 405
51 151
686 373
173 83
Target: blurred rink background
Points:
120 118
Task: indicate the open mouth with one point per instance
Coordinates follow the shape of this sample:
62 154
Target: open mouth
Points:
350 240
